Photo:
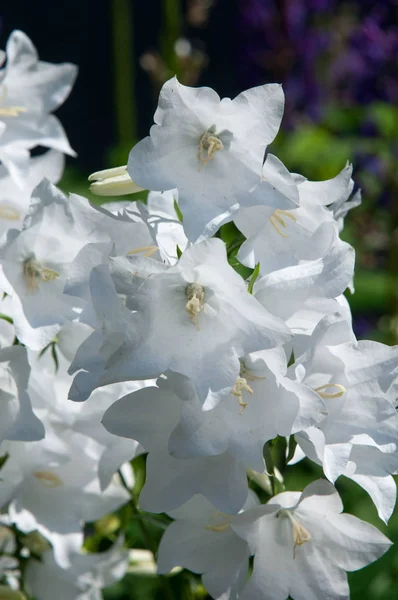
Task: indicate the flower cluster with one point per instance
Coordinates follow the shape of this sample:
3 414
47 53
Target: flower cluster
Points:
201 328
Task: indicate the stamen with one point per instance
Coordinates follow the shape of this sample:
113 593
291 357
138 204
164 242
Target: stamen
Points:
219 527
12 111
9 213
48 478
196 302
210 142
241 386
249 375
277 219
147 250
341 390
9 111
34 273
300 534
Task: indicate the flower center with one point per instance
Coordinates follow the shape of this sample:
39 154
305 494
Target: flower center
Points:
9 213
147 251
34 273
195 302
9 111
209 144
321 390
48 478
300 534
278 220
223 522
241 386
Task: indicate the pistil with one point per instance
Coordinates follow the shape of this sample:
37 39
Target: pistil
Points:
195 302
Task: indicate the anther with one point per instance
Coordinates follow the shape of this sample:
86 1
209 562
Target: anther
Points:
300 534
277 220
147 251
12 111
9 111
48 478
340 390
34 273
209 144
241 386
222 526
9 213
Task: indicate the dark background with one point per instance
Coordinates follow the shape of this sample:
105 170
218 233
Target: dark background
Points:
82 33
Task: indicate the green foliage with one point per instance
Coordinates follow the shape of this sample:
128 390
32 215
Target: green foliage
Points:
178 211
253 278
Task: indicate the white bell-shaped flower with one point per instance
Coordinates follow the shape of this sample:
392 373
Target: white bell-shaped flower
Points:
303 545
17 420
29 91
212 150
196 318
358 437
202 540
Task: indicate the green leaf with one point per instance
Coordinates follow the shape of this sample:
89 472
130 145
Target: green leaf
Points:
243 271
253 278
55 356
3 459
292 359
177 211
179 251
6 318
229 233
291 449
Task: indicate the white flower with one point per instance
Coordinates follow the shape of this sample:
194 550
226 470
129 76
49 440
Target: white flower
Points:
303 545
282 238
199 310
55 492
163 220
149 416
36 262
325 271
334 193
14 202
202 540
358 438
17 420
48 387
53 485
29 91
213 151
262 404
116 229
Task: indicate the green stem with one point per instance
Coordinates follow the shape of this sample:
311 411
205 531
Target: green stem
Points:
269 461
172 24
124 73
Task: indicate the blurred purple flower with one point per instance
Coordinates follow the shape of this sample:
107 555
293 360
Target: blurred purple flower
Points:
319 49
